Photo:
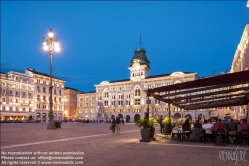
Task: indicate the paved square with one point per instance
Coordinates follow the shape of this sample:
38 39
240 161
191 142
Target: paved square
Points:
101 147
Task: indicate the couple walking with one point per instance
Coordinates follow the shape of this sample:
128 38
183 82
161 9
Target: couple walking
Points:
116 124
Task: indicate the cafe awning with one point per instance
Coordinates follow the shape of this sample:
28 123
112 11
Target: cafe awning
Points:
14 114
225 90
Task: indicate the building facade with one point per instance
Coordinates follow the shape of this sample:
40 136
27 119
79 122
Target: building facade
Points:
17 96
41 99
127 98
70 102
241 56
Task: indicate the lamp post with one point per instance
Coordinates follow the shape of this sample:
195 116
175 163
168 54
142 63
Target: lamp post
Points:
50 44
148 108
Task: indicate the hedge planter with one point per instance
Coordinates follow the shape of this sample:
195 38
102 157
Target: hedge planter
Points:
145 134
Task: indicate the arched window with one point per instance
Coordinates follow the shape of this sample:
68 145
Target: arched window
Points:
44 89
137 92
38 89
106 94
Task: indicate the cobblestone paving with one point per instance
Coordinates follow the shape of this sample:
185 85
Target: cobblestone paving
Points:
103 148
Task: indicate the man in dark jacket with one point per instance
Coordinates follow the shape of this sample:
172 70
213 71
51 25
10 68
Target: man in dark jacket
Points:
161 123
231 125
113 121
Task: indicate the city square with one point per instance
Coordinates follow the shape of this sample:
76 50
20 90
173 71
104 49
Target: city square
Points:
101 147
124 83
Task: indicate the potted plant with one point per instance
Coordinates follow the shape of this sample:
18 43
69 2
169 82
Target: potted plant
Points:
169 124
152 123
145 130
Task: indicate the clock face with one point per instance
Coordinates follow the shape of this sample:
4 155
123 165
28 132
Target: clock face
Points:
136 66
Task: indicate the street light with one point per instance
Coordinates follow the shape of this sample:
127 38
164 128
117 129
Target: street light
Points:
51 44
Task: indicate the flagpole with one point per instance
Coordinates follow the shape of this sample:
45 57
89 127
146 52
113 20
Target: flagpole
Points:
140 41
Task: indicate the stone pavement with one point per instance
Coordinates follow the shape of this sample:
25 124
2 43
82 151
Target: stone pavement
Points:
102 148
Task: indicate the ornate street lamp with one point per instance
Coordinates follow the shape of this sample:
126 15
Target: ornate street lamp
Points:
51 44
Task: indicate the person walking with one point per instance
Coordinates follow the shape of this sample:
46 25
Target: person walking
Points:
161 124
123 121
118 122
113 122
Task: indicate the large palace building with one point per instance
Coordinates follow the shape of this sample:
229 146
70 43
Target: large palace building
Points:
17 96
41 82
127 98
26 96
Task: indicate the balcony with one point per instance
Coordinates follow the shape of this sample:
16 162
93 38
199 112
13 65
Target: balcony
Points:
24 104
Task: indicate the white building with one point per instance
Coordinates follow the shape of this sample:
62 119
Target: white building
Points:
17 96
127 98
41 100
241 56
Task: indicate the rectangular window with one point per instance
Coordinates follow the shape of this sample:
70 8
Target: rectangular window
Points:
137 101
10 92
106 103
4 91
30 95
10 108
17 93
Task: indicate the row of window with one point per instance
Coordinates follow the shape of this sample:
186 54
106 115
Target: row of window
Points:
16 100
44 106
86 99
86 105
47 90
17 86
44 98
47 82
17 93
16 109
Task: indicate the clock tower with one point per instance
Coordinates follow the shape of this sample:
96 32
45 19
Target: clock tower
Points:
139 65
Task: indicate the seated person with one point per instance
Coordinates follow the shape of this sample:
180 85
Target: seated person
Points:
231 125
244 125
213 121
206 125
186 127
219 124
231 130
197 124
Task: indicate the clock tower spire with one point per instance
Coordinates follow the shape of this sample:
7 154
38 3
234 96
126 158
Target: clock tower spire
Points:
139 65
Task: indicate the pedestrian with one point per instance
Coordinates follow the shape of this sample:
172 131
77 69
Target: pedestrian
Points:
118 124
161 124
123 121
113 122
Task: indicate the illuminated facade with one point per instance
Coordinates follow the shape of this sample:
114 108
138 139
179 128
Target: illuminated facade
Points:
17 96
241 56
127 98
41 99
70 102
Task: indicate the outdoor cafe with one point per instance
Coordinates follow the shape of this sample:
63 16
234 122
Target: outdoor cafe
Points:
221 94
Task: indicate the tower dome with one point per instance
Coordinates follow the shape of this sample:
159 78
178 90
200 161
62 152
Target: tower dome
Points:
140 57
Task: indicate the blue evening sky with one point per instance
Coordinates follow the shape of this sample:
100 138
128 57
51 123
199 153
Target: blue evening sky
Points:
98 39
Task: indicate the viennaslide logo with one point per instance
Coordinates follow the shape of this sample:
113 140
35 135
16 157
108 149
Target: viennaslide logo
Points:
233 155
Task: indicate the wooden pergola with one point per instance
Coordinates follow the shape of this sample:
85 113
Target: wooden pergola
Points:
225 90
